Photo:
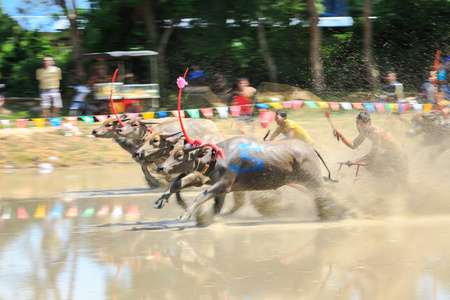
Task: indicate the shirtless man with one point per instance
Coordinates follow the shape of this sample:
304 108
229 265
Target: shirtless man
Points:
386 153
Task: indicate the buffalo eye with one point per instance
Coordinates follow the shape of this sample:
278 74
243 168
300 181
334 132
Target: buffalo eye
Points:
155 141
179 155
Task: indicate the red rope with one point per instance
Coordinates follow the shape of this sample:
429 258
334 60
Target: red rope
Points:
111 98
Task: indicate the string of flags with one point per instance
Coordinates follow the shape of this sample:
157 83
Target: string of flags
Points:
117 211
224 111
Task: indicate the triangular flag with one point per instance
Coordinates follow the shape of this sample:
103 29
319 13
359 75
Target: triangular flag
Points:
56 122
21 123
404 106
287 104
297 104
5 123
132 115
103 211
369 106
175 113
72 212
101 118
334 105
392 107
276 105
117 211
56 211
21 213
358 105
207 112
380 107
346 105
235 111
322 104
418 106
72 120
162 114
312 104
266 117
262 105
194 113
223 112
40 212
427 107
6 213
87 119
40 122
148 115
89 212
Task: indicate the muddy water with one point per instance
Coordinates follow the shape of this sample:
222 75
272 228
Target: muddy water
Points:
398 246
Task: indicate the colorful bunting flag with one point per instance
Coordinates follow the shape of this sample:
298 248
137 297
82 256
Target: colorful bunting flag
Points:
72 211
235 111
194 113
21 123
262 105
21 213
101 118
322 104
207 112
418 106
148 115
89 212
117 211
40 122
133 212
87 119
56 122
6 213
5 123
311 104
72 120
56 211
223 112
357 105
287 104
103 211
369 106
162 114
276 105
427 107
132 115
297 104
346 105
380 107
175 113
334 105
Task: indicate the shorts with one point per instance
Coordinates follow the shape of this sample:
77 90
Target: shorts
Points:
51 97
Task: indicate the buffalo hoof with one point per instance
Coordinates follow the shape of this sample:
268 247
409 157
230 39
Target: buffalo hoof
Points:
158 204
183 218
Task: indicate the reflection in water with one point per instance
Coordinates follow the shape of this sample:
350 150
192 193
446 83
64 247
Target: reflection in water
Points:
47 253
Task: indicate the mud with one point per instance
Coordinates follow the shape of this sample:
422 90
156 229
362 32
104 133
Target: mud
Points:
395 247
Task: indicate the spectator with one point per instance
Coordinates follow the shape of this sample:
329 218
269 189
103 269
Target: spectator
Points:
196 77
426 90
243 97
49 78
290 129
102 76
394 89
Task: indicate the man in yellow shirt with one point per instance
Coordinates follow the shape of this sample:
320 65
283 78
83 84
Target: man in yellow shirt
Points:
49 77
290 129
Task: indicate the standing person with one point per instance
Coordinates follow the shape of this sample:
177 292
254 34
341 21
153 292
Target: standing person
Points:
290 129
49 78
243 96
196 77
394 89
386 153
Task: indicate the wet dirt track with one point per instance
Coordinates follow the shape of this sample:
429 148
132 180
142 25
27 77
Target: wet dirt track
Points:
398 248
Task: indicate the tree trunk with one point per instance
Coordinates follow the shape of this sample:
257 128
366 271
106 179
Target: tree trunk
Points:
164 41
148 16
314 49
262 39
374 74
75 37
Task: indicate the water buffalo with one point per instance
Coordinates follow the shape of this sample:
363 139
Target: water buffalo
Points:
434 126
248 165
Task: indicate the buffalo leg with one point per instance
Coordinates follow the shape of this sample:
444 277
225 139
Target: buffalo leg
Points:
160 202
151 181
203 219
217 189
181 182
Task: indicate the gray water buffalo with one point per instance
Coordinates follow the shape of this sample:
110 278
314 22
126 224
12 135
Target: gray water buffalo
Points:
434 126
248 165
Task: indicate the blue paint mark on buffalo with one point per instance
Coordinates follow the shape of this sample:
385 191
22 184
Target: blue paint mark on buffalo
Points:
257 163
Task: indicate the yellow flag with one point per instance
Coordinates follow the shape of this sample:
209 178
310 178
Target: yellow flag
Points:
276 105
427 107
148 115
39 122
40 212
322 104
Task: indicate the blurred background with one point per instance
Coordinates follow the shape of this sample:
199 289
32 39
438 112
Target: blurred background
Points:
338 49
